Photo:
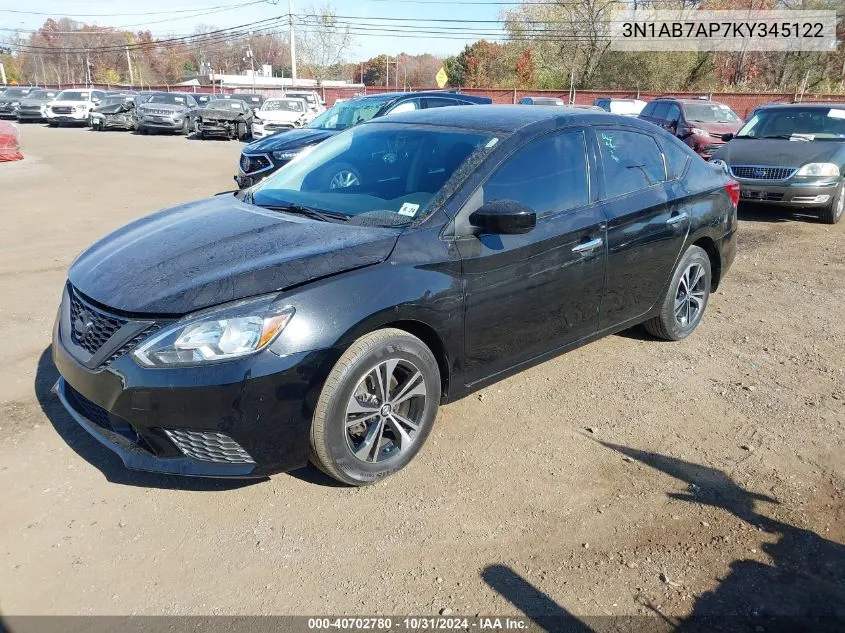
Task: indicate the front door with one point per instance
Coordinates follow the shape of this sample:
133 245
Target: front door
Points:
531 293
645 231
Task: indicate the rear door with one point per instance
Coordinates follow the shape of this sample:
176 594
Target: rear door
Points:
528 294
645 233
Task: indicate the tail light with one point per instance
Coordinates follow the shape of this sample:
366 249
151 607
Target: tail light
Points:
732 187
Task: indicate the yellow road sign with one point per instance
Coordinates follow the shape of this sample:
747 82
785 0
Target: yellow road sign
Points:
441 77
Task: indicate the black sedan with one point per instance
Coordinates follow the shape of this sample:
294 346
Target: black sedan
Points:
261 158
244 334
791 156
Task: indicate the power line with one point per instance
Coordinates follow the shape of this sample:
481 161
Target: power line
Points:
199 10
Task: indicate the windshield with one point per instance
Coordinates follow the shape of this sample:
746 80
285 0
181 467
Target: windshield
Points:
289 105
108 101
387 173
349 113
801 123
73 95
710 113
166 97
13 93
225 104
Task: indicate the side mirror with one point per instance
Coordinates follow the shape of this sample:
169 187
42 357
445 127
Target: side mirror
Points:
727 137
504 217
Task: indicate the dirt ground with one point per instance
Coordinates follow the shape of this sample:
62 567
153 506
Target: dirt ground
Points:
630 476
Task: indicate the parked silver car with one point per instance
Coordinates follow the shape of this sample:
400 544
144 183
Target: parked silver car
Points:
167 112
34 106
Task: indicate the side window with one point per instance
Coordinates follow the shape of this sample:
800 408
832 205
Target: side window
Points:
648 109
677 155
405 106
661 108
549 175
674 113
631 161
191 102
439 102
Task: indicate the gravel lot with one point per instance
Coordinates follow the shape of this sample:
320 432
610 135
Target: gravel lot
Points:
628 477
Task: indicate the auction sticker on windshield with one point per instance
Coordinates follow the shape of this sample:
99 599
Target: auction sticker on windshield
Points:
409 209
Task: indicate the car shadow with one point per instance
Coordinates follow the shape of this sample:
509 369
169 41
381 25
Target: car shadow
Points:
751 212
103 459
800 588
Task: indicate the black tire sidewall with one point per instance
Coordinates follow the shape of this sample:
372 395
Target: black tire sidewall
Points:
354 470
693 255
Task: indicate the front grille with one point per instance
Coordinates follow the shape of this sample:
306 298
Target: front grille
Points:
129 345
762 172
252 164
30 108
160 112
90 327
209 446
63 109
753 194
278 126
87 409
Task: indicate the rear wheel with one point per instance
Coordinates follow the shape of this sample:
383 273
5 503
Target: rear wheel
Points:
833 213
142 130
241 131
376 408
686 298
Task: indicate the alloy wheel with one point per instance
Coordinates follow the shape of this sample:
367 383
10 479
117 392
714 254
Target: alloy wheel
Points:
343 179
385 411
840 204
690 295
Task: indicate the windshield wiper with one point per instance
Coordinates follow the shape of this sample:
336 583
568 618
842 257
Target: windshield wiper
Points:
324 216
788 137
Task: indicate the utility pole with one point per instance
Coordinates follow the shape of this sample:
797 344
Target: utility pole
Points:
129 63
387 71
251 65
292 44
87 71
3 73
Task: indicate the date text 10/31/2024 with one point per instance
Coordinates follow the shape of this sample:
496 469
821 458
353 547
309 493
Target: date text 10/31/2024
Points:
419 623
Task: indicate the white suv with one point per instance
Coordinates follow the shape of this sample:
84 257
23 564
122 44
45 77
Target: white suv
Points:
72 106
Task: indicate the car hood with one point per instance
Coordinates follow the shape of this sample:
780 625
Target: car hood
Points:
279 116
217 250
113 108
746 151
288 140
220 113
35 101
70 103
168 107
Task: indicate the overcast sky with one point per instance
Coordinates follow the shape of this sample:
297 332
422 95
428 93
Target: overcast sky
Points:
164 24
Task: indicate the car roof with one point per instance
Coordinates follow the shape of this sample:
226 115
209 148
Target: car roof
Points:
816 104
685 101
507 118
389 96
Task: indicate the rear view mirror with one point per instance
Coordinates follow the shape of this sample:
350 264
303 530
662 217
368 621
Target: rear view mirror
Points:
504 217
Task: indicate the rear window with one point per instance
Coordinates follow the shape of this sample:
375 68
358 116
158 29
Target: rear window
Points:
632 161
677 156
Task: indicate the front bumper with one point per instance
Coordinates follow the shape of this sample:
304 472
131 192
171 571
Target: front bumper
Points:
8 111
224 129
260 166
789 194
116 122
31 115
245 418
160 123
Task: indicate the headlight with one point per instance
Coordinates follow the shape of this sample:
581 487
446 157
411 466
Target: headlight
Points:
288 154
720 164
15 104
214 335
699 131
818 169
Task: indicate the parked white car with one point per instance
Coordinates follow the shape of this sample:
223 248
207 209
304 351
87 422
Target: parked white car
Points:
312 97
72 106
625 107
279 114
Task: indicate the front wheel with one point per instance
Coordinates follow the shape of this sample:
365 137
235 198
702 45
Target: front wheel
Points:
686 298
376 408
833 213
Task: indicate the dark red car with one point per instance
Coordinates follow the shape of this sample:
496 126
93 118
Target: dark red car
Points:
699 123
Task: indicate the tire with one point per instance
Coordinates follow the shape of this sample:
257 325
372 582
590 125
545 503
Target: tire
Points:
682 310
833 213
200 135
142 130
186 129
53 123
241 131
342 176
379 436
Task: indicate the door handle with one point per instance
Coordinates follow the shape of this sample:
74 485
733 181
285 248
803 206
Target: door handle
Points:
586 247
675 219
